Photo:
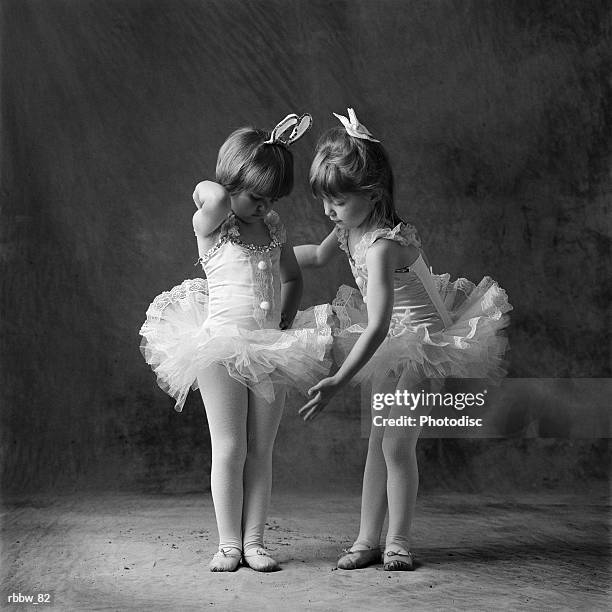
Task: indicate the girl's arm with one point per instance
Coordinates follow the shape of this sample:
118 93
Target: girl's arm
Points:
317 255
291 285
381 260
213 202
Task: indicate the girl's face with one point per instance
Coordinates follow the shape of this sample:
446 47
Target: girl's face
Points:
250 207
350 210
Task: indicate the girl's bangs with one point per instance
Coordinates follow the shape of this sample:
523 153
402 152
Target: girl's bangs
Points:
270 175
268 182
328 182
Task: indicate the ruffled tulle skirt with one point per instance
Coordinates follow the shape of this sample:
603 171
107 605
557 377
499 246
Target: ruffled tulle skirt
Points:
177 344
472 346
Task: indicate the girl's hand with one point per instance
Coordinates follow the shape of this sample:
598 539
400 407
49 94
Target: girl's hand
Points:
214 204
323 392
208 191
198 195
286 321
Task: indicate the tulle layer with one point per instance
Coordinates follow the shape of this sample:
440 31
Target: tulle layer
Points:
177 344
470 347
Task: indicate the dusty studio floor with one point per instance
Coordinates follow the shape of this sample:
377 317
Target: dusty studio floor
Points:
150 552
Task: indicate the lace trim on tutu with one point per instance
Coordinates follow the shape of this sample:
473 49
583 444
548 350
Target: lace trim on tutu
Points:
464 299
196 287
315 318
340 306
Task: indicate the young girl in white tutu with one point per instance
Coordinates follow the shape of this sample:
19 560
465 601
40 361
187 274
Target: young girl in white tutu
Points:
235 336
403 328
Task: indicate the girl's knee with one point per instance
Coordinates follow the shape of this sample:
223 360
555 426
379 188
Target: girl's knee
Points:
398 450
229 453
375 441
258 452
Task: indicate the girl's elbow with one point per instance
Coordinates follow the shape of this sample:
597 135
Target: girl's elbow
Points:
302 256
378 332
319 259
295 280
309 262
304 262
382 334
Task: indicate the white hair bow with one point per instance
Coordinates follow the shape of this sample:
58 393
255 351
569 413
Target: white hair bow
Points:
353 127
300 126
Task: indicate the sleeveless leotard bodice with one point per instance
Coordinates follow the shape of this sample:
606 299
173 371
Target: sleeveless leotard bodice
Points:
415 296
244 279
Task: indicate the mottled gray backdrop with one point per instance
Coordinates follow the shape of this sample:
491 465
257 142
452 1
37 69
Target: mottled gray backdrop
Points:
497 116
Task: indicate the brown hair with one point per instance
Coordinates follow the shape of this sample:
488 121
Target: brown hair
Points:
247 163
345 164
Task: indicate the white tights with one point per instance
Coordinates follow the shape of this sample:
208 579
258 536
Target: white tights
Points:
242 427
391 475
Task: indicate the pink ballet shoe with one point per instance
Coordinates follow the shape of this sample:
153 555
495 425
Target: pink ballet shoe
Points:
395 561
224 561
260 560
358 559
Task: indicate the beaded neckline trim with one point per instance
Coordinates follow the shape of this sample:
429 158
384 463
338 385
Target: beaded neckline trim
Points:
229 232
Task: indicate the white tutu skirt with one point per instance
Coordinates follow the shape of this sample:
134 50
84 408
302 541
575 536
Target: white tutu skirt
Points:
471 347
178 345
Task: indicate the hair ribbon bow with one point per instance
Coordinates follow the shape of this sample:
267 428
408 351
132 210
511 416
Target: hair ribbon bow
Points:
300 126
353 127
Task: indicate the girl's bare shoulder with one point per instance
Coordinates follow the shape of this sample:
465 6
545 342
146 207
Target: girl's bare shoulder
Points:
392 253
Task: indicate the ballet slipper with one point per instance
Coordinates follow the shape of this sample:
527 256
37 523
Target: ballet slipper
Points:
224 561
357 559
398 561
260 560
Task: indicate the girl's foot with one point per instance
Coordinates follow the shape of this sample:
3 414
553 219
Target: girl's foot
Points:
397 560
356 559
226 560
260 560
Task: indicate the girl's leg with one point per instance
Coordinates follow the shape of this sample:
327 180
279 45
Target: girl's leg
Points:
399 449
225 400
262 425
374 492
